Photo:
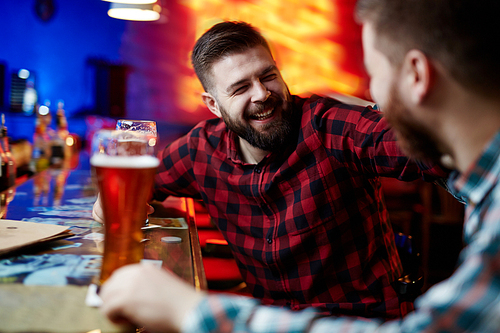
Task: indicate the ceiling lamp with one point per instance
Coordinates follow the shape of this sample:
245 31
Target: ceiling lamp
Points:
134 11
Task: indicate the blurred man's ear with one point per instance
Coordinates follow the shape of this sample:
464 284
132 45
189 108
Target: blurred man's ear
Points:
211 103
418 76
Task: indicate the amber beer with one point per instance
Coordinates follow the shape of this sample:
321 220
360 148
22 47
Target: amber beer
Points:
125 184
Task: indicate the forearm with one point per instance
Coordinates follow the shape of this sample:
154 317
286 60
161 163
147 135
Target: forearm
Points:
222 313
464 302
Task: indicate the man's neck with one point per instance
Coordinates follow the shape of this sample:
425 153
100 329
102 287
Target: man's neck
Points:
469 127
251 154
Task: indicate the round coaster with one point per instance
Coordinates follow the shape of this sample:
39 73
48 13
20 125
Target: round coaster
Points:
171 239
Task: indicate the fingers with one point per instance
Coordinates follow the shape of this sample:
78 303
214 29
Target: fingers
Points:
148 296
116 297
114 314
130 297
97 213
151 209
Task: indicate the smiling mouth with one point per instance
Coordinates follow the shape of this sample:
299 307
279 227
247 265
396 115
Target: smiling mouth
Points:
263 115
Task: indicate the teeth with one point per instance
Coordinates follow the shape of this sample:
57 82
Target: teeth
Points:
260 116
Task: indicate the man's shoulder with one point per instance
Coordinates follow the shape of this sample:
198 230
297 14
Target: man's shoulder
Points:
211 131
320 104
319 110
209 127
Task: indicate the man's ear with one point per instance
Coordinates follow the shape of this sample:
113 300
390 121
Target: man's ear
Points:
419 75
211 103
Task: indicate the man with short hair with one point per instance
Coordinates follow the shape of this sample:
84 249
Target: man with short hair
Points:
292 183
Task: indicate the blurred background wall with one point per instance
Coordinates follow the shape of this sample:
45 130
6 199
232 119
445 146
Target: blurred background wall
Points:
111 68
57 50
104 69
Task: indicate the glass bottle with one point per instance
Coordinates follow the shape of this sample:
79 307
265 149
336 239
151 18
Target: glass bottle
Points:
41 148
58 143
6 149
4 170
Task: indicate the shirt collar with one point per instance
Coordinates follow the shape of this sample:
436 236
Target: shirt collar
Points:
479 179
233 147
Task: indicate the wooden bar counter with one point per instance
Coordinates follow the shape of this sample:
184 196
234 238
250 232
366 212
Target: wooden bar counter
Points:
43 287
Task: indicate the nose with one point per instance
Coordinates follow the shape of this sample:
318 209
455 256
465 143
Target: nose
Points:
260 93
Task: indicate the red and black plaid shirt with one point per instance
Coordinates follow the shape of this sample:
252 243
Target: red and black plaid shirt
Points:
307 226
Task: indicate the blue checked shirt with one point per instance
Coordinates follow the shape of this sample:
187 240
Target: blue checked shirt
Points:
469 301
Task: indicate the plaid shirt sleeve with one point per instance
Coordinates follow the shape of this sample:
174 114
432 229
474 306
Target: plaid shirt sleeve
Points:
361 138
175 169
466 302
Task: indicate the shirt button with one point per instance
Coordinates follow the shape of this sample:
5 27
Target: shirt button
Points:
258 170
269 240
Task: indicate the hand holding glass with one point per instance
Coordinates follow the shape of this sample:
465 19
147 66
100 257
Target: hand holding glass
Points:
124 165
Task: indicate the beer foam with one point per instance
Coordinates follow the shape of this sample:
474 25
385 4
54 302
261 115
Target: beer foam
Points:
132 162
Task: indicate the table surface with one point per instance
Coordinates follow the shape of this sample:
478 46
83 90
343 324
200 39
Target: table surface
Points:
42 288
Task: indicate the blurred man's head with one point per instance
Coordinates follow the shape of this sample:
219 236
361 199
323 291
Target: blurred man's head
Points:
461 35
243 85
409 43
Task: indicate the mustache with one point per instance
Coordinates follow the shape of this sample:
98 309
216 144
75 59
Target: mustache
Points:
269 103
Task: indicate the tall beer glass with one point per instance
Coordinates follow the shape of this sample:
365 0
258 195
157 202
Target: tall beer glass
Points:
124 165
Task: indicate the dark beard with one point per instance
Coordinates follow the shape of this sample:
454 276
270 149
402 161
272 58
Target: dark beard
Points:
272 137
415 140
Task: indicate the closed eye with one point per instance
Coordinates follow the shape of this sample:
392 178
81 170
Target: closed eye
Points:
240 90
269 77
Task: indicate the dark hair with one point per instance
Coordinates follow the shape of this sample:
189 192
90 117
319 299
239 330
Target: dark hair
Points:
462 35
221 40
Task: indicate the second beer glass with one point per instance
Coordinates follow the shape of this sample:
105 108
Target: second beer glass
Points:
124 165
147 127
